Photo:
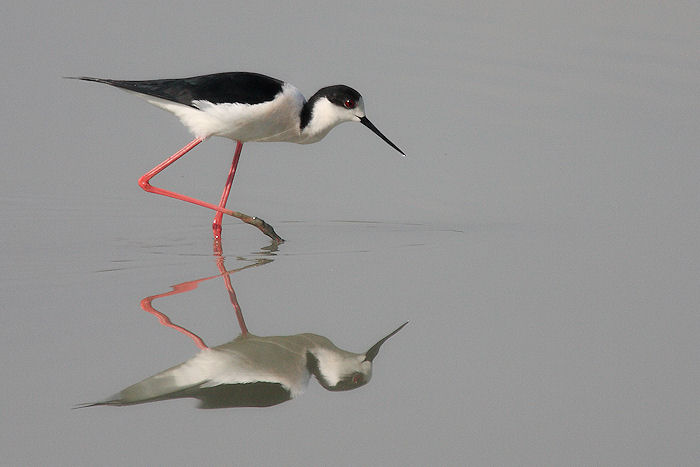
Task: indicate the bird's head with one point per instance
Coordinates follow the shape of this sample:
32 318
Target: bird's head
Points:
333 105
338 370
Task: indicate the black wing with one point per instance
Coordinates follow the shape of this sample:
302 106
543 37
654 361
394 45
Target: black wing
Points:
238 86
260 394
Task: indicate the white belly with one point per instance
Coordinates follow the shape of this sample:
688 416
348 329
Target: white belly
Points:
275 120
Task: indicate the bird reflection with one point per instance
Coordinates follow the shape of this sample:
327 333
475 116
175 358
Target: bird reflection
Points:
251 370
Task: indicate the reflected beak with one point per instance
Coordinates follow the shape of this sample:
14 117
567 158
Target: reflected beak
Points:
365 121
374 350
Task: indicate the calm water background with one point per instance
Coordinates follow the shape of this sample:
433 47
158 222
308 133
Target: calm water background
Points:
541 236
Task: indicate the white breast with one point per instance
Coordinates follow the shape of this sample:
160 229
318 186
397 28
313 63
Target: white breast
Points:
275 120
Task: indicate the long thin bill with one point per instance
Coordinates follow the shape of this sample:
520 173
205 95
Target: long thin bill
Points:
365 121
374 350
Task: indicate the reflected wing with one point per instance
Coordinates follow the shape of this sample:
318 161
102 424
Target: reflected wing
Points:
250 372
262 394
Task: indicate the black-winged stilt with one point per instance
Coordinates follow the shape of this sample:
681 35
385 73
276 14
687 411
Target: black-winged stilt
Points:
254 371
244 107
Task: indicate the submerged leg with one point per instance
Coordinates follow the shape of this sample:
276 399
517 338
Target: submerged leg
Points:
144 182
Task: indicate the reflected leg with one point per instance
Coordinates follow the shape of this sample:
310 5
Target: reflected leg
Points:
218 251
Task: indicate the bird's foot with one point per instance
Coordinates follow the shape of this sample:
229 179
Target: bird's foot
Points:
266 229
259 223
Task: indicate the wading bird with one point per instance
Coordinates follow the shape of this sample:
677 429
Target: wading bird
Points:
254 371
244 106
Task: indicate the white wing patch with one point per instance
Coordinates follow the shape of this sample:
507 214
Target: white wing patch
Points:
214 367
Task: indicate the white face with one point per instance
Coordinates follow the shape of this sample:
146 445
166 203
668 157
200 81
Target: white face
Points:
327 115
357 111
342 371
350 111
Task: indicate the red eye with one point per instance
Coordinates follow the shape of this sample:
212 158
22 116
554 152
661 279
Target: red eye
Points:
349 104
355 378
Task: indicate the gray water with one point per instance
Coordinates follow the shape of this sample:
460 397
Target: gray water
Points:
541 236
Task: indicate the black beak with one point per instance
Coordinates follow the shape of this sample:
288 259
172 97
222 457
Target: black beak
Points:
365 121
374 350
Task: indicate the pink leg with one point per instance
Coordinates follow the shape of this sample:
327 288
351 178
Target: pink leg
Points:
147 305
145 179
231 293
257 222
216 226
